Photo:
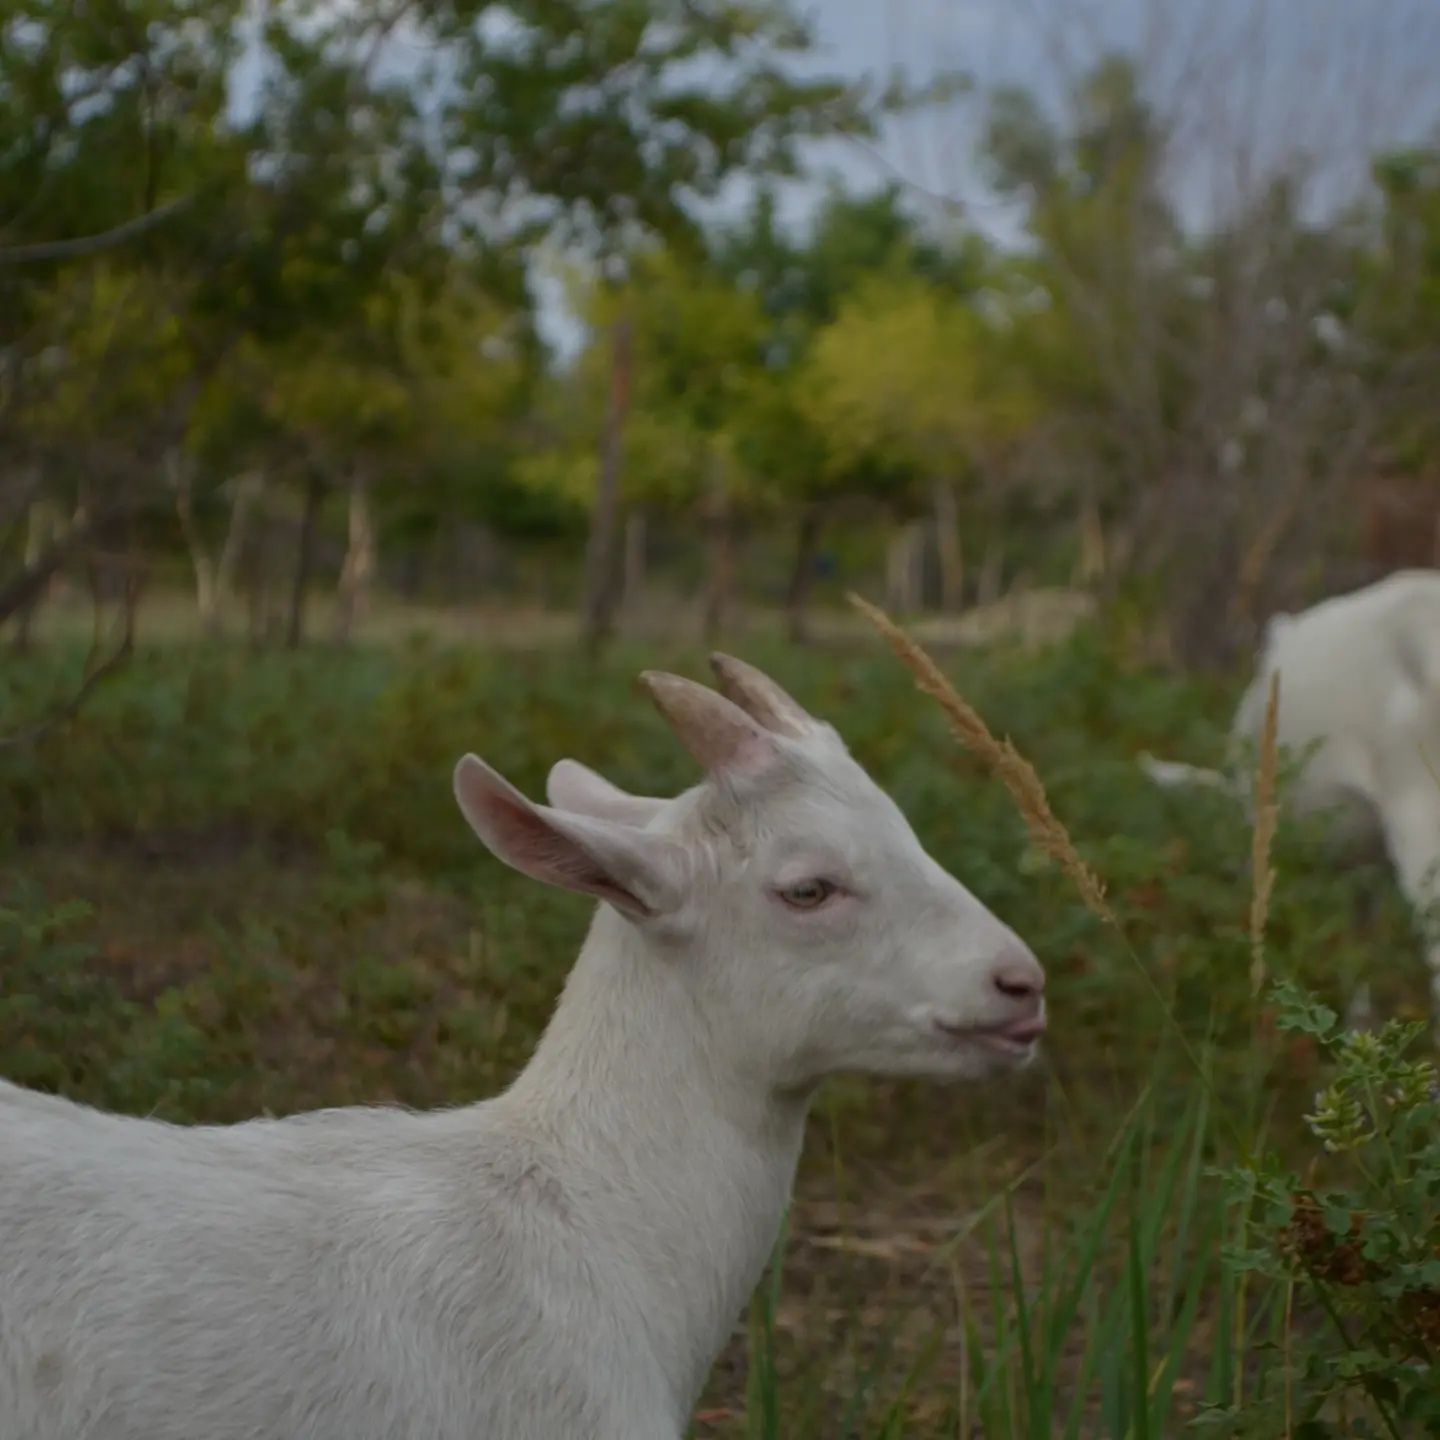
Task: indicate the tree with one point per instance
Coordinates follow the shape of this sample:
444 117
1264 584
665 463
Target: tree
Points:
597 121
614 116
105 115
1190 387
695 341
803 282
939 404
1398 301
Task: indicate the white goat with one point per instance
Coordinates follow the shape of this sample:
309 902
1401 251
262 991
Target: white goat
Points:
562 1262
1360 681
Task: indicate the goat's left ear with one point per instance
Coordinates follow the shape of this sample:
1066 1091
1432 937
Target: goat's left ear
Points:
640 874
575 787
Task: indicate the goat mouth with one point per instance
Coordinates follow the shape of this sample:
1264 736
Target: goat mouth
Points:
1017 1038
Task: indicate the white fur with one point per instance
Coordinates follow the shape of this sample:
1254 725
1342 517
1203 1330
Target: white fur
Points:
1359 681
561 1262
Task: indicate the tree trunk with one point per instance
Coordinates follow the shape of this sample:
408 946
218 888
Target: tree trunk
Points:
115 571
1092 564
358 570
304 561
258 590
1202 636
1258 556
181 474
947 544
40 525
97 584
30 584
133 574
904 553
802 575
249 491
252 569
597 620
632 591
413 566
992 573
718 520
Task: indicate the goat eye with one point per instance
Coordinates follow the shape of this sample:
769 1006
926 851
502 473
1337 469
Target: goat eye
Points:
807 894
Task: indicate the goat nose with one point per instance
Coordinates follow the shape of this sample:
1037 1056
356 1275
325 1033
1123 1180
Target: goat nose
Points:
1018 976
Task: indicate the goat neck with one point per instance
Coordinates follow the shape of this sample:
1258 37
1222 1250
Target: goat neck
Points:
680 1159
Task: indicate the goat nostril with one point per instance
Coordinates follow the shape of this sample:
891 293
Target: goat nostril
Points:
1019 979
1018 988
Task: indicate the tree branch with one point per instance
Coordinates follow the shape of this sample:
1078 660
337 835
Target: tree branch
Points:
91 244
22 588
95 673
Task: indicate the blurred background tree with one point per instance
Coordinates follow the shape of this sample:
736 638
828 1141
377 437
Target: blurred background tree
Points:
592 307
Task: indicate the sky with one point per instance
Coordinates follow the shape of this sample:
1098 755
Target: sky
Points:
1333 78
1247 87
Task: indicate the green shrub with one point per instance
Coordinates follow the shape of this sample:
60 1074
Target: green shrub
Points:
1356 1239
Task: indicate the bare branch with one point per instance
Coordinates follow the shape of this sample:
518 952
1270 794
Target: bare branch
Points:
95 674
24 587
91 244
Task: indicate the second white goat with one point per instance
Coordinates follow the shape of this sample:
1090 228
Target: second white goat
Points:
562 1262
1360 690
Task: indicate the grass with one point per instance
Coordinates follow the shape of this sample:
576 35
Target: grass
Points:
282 910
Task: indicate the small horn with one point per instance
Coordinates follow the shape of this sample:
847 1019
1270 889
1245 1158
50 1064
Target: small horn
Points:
760 697
719 734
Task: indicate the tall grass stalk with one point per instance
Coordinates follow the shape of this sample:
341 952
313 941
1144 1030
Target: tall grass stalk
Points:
1014 771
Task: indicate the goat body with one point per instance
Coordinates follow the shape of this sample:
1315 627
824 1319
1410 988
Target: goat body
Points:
558 1261
1360 683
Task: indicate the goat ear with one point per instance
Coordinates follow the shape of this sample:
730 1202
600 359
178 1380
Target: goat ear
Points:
575 787
717 732
641 875
760 697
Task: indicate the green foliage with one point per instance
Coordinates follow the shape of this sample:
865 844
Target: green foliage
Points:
696 342
54 1009
338 289
802 279
1357 1240
753 365
943 397
1398 299
614 111
341 296
1097 1342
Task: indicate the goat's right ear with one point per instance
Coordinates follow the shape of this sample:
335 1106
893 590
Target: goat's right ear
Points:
641 875
575 787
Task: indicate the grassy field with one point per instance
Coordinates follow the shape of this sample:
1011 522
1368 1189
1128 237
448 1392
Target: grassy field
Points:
238 883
